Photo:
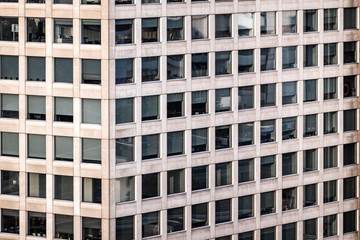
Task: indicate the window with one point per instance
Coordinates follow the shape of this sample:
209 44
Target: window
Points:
124 31
175 67
37 185
268 95
268 167
91 227
289 128
150 224
289 57
9 105
91 111
330 191
199 27
175 219
124 110
175 105
246 24
330 225
268 131
150 108
310 229
36 69
246 207
150 69
349 224
125 227
91 190
310 56
64 226
289 163
124 71
199 140
90 31
268 59
268 23
268 203
91 150
36 107
125 189
222 137
310 20
10 144
268 233
289 231
36 146
289 199
9 182
330 54
330 88
223 174
310 125
330 157
36 29
6 26
91 71
350 53
150 146
330 122
223 63
310 90
310 160
200 178
246 61
175 28
350 18
199 215
223 100
37 224
10 221
289 95
63 30
245 97
222 211
63 109
150 185
246 236
175 143
330 19
63 70
63 1
245 170
349 156
289 19
310 195
350 187
246 134
199 102
150 30
63 148
199 65
350 86
350 120
222 25
63 187
124 150
176 181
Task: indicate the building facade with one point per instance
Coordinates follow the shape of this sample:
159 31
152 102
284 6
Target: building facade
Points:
130 119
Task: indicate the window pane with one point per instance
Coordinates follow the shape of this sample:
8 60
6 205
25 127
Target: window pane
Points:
91 150
246 207
289 95
150 224
289 231
289 126
125 189
223 174
150 146
268 95
64 187
200 178
199 65
63 148
64 226
222 25
310 229
310 55
9 106
10 144
349 224
268 233
150 29
330 19
175 105
310 90
222 211
330 54
63 70
350 84
268 167
124 31
330 191
310 125
199 102
37 185
91 228
176 181
222 100
36 146
199 140
268 131
330 88
36 107
222 137
268 203
349 188
37 224
310 195
175 28
175 143
124 150
125 228
350 120
350 53
36 69
289 19
199 215
246 170
246 24
268 58
246 61
6 24
246 97
330 122
268 23
124 70
223 63
63 30
289 57
246 236
310 20
330 225
289 163
63 109
150 185
91 71
90 31
199 27
350 18
124 110
310 160
36 29
349 156
175 67
9 182
91 111
289 199
150 108
9 67
330 157
246 134
91 190
10 221
150 69
175 219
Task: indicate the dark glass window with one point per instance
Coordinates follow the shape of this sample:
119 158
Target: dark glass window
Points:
150 185
64 148
199 27
349 156
349 223
175 219
330 19
150 108
330 191
175 67
349 185
175 28
199 65
289 163
289 126
125 228
268 23
63 109
9 106
150 224
350 120
91 111
63 70
91 71
310 195
223 100
36 69
289 22
124 110
268 233
199 140
175 143
125 149
10 221
199 102
37 185
330 122
268 95
268 59
246 134
289 95
246 236
10 144
222 211
289 199
330 157
150 30
222 137
36 107
350 84
150 146
37 224
63 187
36 146
310 20
268 203
150 69
200 177
9 182
222 25
310 229
63 30
124 70
245 97
289 57
330 225
90 31
175 105
246 207
199 215
310 160
310 90
124 31
91 190
246 170
350 53
330 54
64 226
268 167
350 18
91 228
268 131
310 125
310 55
330 88
176 181
223 63
36 29
289 231
223 174
246 61
9 29
125 189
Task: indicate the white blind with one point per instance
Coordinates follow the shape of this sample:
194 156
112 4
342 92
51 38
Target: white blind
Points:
91 111
289 89
175 142
63 147
36 146
150 145
10 102
36 104
150 106
64 106
245 21
199 97
10 144
91 149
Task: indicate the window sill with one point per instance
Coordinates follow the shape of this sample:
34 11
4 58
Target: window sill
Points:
249 36
180 231
267 143
197 153
127 202
176 79
179 117
199 77
269 35
224 186
289 33
125 123
149 82
200 190
152 198
337 201
221 38
248 182
268 214
200 39
290 210
175 2
149 237
176 41
151 159
291 175
224 75
267 179
312 206
269 71
248 145
331 168
289 69
223 149
125 4
312 171
123 163
176 194
244 73
176 156
202 227
224 223
246 219
290 104
223 112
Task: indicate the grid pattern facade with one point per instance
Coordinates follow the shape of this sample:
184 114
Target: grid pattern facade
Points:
277 152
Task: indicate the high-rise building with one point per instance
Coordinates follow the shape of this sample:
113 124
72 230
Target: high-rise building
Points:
179 119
